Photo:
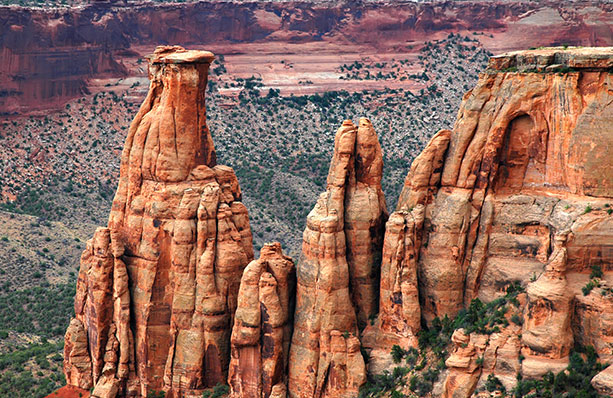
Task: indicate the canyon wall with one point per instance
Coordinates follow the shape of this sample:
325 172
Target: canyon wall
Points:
513 203
47 56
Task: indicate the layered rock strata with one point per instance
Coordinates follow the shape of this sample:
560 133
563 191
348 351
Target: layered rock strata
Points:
158 288
263 326
337 272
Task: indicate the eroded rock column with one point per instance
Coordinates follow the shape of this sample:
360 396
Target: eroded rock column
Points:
262 326
180 235
325 357
547 337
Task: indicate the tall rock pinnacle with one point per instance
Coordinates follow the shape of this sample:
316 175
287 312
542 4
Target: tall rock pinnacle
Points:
337 271
181 237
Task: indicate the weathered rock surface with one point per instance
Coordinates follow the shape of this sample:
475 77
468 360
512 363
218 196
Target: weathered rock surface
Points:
263 326
158 288
527 155
337 272
399 318
487 204
603 382
547 322
593 320
463 367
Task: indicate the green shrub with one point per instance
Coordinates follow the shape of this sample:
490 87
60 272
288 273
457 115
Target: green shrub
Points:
217 392
398 353
494 384
596 272
572 382
588 287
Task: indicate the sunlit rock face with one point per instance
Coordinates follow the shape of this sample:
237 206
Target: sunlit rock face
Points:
338 270
518 191
158 287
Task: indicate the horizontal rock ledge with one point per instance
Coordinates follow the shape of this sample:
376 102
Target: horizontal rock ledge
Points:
553 59
179 55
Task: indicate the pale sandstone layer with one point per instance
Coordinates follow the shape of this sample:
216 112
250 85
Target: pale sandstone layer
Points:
338 270
158 287
516 192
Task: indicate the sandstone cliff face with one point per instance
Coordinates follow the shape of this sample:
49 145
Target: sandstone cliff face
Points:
158 288
337 272
518 169
518 191
263 326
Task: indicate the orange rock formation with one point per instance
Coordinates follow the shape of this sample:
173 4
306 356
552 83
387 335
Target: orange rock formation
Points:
158 288
518 191
337 270
263 326
528 160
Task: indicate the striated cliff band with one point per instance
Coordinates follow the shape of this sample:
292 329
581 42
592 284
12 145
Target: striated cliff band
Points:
494 270
49 55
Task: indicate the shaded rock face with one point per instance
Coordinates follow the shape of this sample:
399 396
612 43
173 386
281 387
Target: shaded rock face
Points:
338 270
158 288
263 326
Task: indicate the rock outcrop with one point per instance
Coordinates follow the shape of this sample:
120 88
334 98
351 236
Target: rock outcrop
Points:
546 332
263 326
487 204
463 367
519 192
158 288
399 318
593 320
337 272
603 382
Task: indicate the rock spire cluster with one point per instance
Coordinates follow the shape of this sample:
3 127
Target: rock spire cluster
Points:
518 193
